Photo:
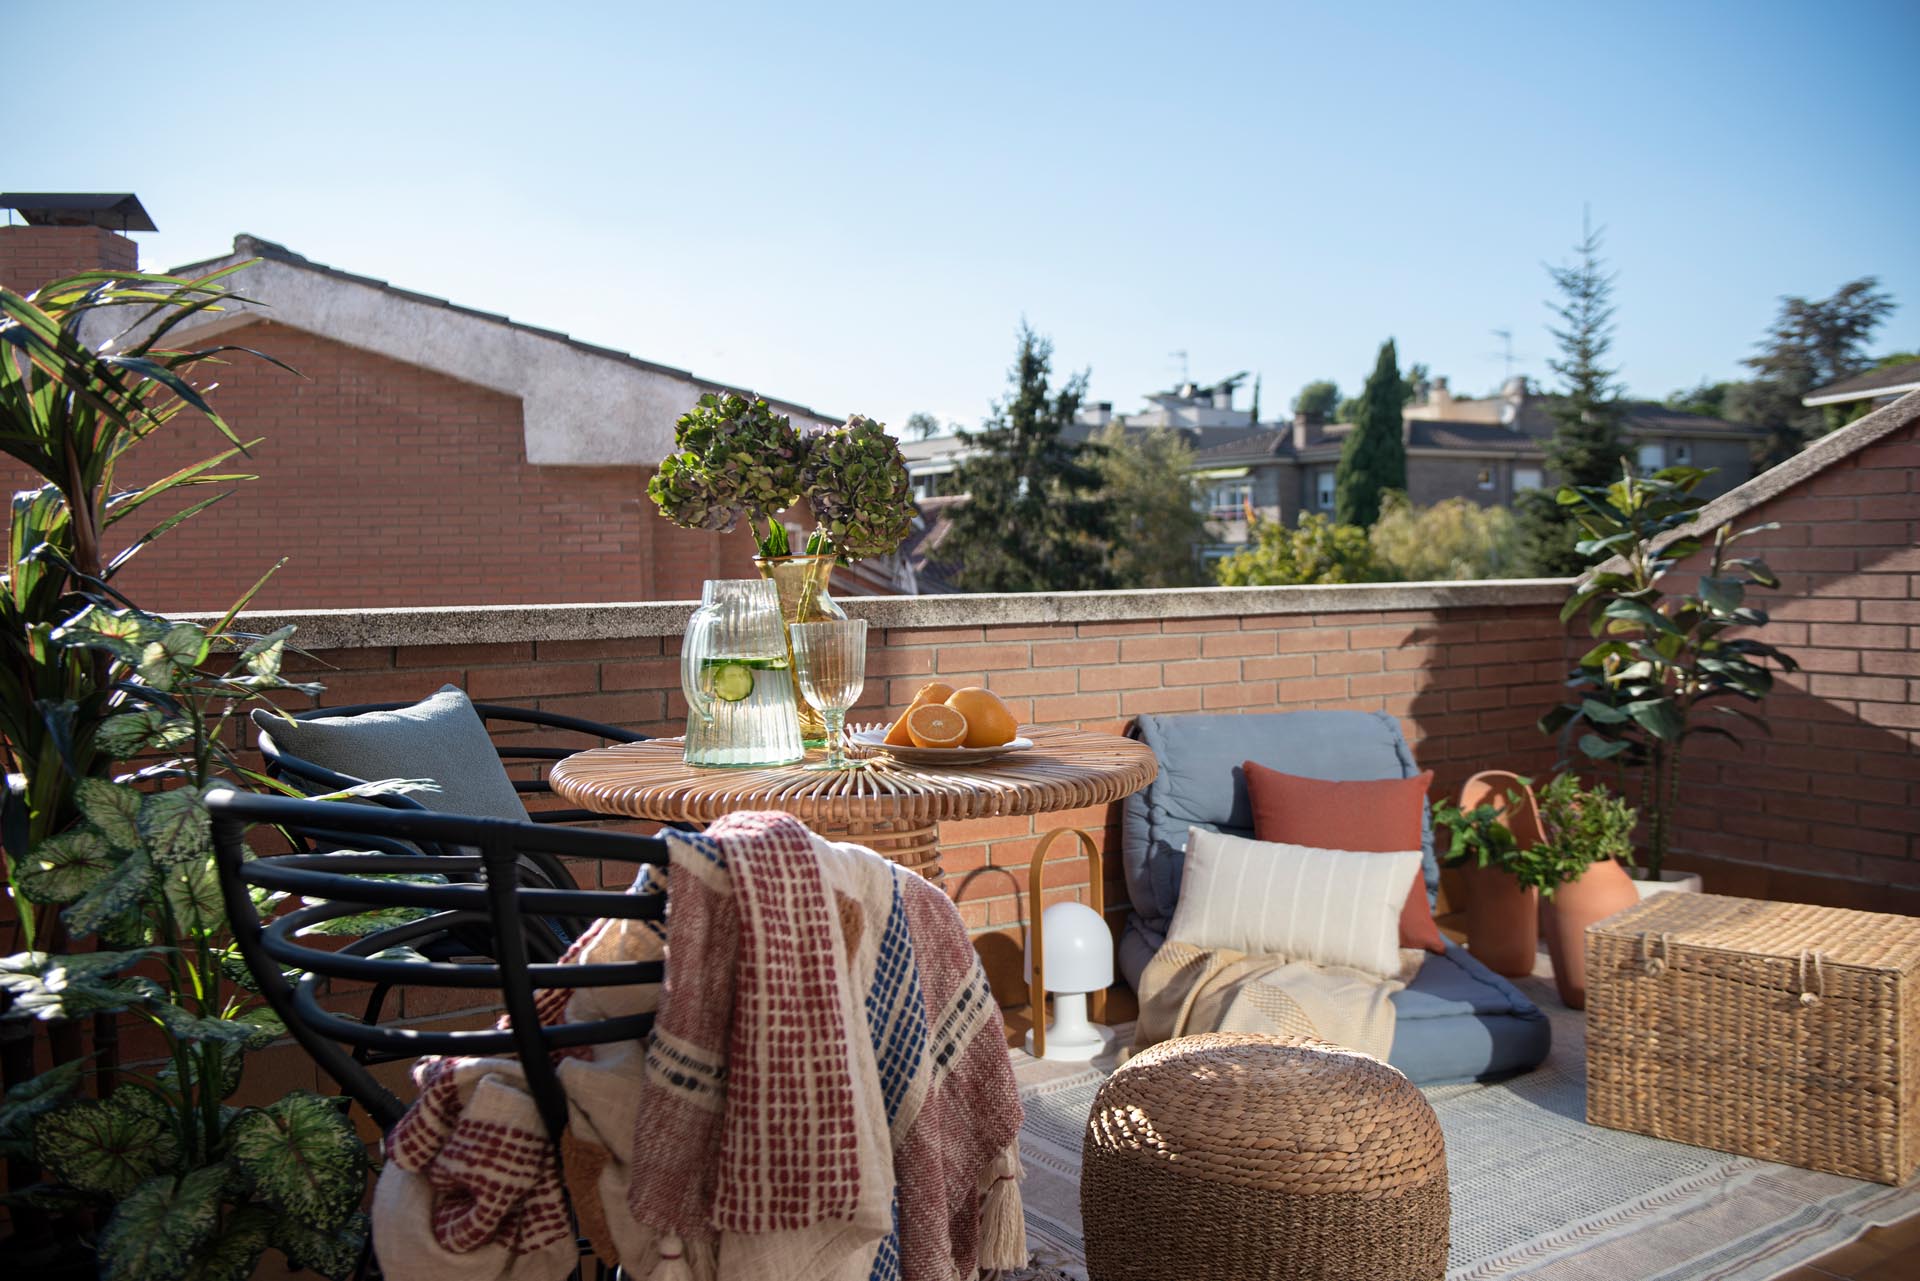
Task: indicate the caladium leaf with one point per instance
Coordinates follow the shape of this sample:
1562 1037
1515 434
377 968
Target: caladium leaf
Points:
176 825
112 808
333 1253
115 894
62 868
108 1146
264 654
301 1156
235 1249
188 1026
32 1098
72 986
128 733
158 1228
193 893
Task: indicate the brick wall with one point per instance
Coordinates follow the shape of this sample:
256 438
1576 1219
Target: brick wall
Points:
1466 680
32 256
1827 809
387 484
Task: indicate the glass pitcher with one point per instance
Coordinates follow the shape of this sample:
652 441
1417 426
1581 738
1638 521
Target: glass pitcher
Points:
738 679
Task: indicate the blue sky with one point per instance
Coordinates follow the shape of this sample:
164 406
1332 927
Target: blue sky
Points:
853 206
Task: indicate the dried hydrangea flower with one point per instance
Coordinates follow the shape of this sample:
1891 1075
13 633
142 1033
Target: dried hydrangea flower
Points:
856 481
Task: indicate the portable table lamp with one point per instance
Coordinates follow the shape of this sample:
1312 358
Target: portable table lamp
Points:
1069 953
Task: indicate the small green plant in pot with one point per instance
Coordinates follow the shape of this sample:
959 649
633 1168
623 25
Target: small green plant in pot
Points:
1579 867
1485 829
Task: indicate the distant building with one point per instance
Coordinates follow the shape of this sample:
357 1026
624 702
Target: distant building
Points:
1487 450
1877 387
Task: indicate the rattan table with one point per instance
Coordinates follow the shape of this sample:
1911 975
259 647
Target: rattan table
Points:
892 807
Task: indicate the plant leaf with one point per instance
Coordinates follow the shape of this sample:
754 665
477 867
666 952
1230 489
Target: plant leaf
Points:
113 808
34 1097
301 1156
108 1146
131 732
62 868
235 1249
189 1026
159 1227
51 987
1600 749
333 1253
193 892
176 825
114 895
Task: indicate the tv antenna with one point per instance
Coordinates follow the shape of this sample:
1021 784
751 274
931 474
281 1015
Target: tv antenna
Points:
1506 353
1181 356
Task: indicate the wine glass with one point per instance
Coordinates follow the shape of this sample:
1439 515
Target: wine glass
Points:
830 662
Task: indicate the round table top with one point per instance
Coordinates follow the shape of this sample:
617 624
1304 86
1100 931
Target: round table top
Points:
1065 769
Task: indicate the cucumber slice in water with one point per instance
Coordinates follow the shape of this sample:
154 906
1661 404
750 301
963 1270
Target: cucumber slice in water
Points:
732 682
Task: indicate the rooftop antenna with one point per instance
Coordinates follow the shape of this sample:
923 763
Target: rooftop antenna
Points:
1181 356
1506 350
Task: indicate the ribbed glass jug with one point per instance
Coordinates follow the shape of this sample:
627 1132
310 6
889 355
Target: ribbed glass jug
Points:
738 679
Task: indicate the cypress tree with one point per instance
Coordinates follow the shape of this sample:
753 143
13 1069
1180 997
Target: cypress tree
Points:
1587 446
1374 459
1035 518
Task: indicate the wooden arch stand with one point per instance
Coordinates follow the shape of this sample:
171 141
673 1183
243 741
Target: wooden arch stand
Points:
1097 895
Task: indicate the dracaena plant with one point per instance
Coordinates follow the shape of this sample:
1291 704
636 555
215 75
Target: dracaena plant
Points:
1668 666
186 1186
738 459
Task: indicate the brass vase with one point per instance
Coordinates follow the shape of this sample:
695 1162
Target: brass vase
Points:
803 583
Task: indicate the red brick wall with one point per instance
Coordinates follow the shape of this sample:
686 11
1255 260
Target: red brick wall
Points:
386 484
32 256
1467 684
1828 808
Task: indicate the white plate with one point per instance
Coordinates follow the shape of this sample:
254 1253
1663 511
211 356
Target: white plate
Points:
877 740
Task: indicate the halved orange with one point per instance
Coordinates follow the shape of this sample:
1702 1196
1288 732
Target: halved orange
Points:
989 723
936 725
931 692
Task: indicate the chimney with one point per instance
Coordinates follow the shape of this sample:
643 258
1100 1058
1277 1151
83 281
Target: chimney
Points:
1439 395
1302 431
66 233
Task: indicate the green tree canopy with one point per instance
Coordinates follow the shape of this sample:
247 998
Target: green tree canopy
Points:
1455 538
1587 446
1318 551
1374 458
1035 518
921 426
1318 401
1147 477
1813 342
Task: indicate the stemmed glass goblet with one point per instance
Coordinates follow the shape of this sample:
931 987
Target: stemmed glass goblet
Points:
830 662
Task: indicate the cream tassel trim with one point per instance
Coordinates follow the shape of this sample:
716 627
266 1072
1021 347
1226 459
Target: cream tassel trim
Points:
673 1265
1003 1219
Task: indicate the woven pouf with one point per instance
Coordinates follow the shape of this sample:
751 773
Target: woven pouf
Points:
1228 1157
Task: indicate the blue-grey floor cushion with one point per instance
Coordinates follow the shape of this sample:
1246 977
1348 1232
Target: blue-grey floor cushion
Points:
441 738
1457 1021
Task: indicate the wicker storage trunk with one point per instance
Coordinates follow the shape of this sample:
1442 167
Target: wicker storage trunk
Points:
1781 1031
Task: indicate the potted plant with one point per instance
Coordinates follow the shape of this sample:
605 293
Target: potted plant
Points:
1578 865
1668 667
738 459
1486 829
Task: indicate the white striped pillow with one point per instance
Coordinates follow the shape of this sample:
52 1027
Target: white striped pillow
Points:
1332 907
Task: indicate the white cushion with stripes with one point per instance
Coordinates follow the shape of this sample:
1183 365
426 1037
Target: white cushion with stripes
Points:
1332 907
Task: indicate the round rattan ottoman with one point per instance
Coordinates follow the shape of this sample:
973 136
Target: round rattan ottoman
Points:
1229 1157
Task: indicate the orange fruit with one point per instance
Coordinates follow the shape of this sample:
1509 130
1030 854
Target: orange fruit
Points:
936 725
989 723
932 692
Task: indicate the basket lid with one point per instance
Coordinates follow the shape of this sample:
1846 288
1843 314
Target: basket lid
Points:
1841 936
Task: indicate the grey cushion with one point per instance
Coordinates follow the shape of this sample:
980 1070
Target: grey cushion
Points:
441 738
1201 784
1459 1021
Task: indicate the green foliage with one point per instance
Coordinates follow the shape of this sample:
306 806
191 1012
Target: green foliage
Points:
301 1157
158 1227
1667 668
1035 518
1587 447
1478 837
1148 478
1455 538
921 426
738 458
1374 457
1813 342
1317 551
1582 826
108 1146
1318 401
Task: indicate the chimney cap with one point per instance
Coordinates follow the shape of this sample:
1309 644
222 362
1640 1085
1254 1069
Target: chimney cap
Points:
114 210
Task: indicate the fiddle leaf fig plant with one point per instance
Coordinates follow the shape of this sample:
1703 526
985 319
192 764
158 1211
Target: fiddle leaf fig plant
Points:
1668 666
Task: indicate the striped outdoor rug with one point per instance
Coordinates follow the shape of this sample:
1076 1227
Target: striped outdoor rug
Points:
1537 1192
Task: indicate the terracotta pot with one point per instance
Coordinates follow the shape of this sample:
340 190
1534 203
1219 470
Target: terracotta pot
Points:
1603 889
1503 921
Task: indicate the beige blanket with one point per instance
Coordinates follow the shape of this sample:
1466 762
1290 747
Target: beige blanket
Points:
1187 990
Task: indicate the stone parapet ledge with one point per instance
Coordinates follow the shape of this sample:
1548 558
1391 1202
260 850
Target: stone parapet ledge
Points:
493 624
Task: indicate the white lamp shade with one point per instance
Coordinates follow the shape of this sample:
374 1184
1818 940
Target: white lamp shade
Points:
1079 949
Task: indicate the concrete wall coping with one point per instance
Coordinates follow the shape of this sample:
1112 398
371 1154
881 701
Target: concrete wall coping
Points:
493 624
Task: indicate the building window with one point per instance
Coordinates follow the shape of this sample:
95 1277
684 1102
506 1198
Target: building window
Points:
1682 455
1651 458
1323 489
1485 479
1229 499
1525 478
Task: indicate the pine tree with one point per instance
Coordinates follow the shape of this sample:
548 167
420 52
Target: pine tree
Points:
1374 459
1036 518
1587 447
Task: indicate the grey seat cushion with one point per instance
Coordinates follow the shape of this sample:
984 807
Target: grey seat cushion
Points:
1202 784
441 738
1459 1021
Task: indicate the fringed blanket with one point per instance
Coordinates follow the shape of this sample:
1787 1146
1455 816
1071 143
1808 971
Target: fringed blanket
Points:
1186 990
826 1094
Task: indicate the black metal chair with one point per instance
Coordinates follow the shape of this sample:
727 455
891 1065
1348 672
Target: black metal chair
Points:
293 975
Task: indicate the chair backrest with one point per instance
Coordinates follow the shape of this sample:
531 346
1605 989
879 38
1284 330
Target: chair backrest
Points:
342 883
1201 784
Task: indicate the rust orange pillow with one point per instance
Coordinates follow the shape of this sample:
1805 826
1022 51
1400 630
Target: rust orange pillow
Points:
1380 816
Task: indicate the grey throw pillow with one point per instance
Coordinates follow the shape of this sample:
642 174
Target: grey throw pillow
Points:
441 738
